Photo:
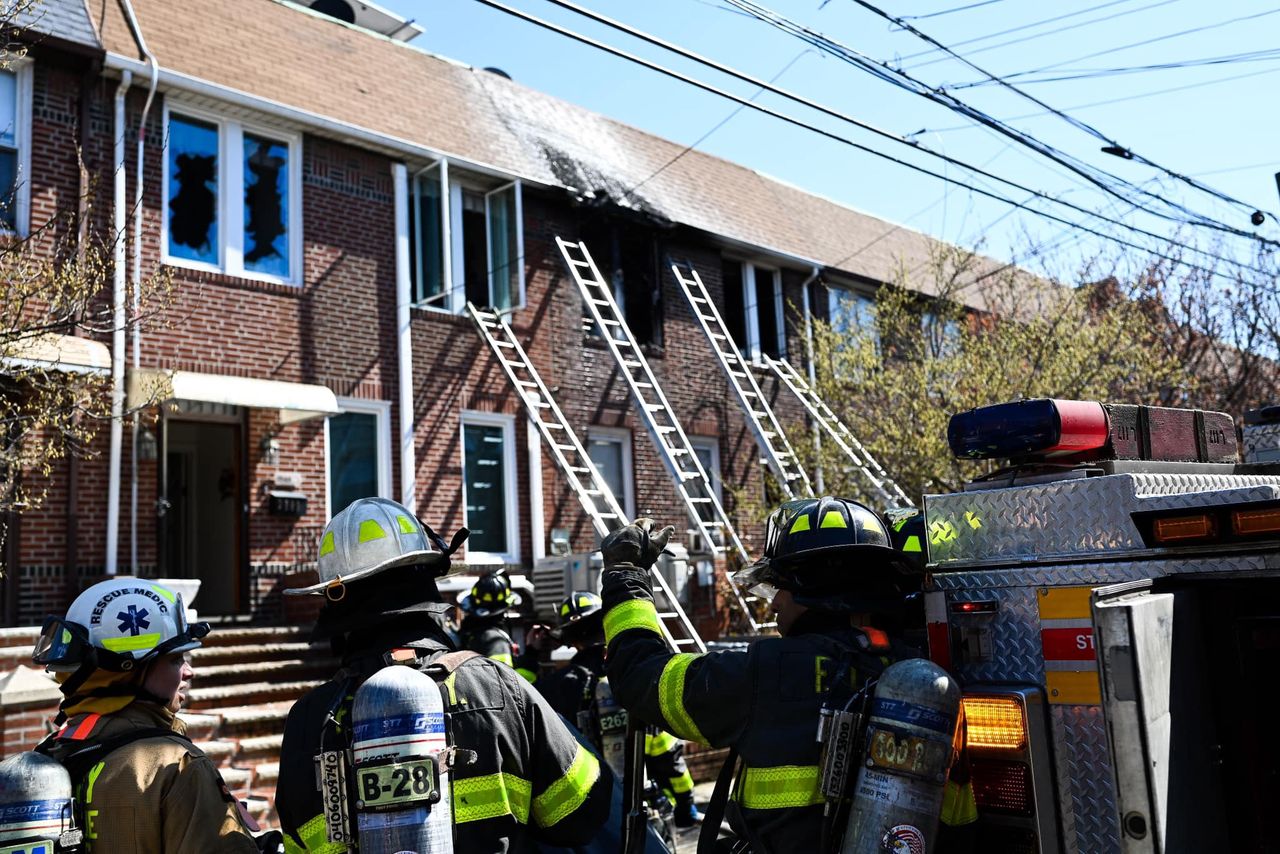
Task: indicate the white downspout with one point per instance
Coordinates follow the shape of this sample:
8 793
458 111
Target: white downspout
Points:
404 337
117 331
135 275
813 376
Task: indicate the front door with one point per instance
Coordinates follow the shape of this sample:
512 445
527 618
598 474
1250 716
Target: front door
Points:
202 522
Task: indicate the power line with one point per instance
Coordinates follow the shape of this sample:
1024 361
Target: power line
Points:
949 11
494 4
1268 55
1034 36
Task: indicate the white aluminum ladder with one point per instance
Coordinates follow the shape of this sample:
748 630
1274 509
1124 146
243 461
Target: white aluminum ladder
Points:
574 461
778 452
881 484
692 484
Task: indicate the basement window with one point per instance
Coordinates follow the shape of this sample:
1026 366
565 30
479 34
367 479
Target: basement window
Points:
15 147
232 198
466 240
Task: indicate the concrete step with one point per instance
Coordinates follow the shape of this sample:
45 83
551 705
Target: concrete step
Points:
291 669
266 775
247 721
257 749
248 694
221 751
241 653
241 636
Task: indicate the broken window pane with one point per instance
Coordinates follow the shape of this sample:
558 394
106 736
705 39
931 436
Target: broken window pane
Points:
266 206
504 251
426 241
193 190
475 262
767 314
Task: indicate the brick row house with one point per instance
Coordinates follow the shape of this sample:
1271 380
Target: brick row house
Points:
326 198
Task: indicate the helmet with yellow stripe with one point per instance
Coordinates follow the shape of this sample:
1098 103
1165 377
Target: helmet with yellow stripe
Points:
581 617
833 554
490 596
371 536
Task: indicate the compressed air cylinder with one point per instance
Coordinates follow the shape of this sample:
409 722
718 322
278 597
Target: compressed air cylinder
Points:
613 728
402 804
35 801
907 753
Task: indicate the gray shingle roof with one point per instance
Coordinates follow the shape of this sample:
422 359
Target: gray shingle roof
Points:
66 19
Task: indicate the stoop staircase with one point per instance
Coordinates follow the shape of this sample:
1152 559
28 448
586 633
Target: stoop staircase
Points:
246 680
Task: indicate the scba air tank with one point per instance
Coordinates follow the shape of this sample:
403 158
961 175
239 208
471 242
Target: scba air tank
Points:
613 728
907 753
402 799
35 805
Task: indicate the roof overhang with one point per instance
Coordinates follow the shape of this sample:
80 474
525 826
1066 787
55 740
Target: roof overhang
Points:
296 401
66 353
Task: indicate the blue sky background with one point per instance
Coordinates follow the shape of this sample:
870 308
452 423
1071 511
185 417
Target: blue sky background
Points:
1226 132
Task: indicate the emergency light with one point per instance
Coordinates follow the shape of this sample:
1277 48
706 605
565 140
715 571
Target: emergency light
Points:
1044 427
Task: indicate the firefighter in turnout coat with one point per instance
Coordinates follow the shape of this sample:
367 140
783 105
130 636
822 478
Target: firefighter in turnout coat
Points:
530 782
831 568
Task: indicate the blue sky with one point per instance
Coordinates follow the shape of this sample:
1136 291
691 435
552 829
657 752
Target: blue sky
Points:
1209 131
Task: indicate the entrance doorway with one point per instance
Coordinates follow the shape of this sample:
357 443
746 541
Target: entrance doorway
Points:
202 523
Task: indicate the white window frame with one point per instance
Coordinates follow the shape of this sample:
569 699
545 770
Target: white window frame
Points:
231 186
381 410
511 483
712 443
22 71
751 308
453 240
623 437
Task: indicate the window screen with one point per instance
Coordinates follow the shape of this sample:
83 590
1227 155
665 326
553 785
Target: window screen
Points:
193 190
353 458
484 470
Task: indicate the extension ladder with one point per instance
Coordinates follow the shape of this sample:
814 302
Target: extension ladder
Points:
692 484
575 463
883 486
769 435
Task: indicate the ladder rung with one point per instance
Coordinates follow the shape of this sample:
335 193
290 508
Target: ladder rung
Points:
684 641
526 383
497 343
697 299
693 500
599 302
607 322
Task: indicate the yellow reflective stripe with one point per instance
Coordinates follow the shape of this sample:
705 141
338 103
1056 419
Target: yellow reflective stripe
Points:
504 657
656 745
635 614
94 773
800 524
527 674
912 544
406 526
314 838
682 784
168 594
959 806
832 519
671 697
780 787
132 644
491 796
565 795
370 530
326 544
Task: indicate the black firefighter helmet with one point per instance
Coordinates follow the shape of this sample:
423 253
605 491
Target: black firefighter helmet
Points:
490 596
832 554
581 617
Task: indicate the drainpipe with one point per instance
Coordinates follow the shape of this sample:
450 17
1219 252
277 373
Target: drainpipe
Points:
813 376
404 338
117 331
135 280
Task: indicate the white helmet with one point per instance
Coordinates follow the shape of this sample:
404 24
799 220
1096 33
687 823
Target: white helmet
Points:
119 624
372 535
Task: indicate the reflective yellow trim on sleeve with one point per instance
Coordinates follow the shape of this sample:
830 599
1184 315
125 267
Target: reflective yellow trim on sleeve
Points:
565 795
656 745
491 796
682 784
314 840
959 806
633 614
671 697
528 674
780 787
504 657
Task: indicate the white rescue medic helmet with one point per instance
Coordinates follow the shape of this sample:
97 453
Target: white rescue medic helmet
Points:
371 536
119 625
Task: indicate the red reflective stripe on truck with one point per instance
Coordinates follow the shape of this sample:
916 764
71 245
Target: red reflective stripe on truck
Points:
1071 644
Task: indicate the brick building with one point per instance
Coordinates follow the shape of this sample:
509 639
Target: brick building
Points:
326 199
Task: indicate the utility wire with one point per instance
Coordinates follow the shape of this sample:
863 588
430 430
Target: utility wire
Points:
949 11
587 40
1268 55
807 102
1105 181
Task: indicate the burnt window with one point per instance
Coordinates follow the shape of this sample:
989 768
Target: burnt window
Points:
733 309
193 191
266 206
753 309
627 258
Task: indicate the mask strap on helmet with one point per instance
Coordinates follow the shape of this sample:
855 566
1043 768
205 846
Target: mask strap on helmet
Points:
335 591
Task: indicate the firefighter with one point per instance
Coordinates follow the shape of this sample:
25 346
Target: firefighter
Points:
530 779
832 570
120 657
571 691
484 619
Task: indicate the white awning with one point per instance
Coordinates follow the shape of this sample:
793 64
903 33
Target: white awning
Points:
68 353
296 401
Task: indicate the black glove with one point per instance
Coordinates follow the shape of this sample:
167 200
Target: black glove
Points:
635 545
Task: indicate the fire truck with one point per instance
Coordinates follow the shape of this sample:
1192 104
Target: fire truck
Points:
1110 602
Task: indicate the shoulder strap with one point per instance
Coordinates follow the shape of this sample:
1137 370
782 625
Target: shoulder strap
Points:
714 815
79 762
449 662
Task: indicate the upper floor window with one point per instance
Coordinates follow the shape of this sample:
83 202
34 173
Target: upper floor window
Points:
627 258
851 312
15 147
466 240
753 309
232 198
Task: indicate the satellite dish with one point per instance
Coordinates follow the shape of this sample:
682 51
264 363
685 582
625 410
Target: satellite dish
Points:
340 9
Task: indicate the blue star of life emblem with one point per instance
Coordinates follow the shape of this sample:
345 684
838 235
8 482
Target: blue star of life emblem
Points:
133 620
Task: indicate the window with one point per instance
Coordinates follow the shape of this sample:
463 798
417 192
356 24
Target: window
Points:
15 147
232 198
628 259
466 241
941 334
850 311
707 449
753 309
489 487
610 450
359 453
